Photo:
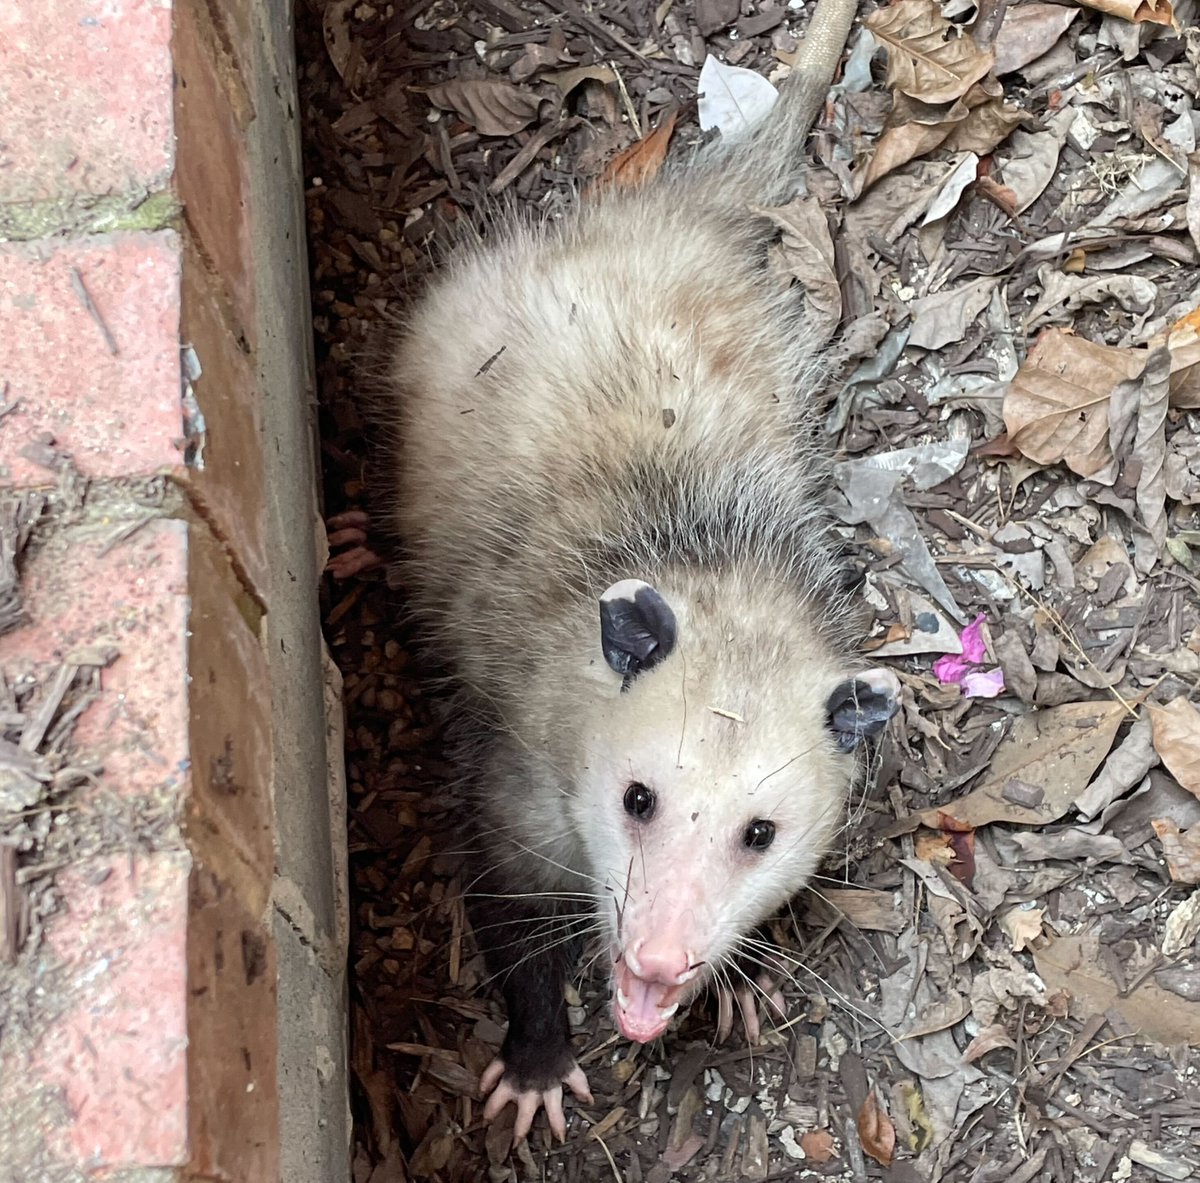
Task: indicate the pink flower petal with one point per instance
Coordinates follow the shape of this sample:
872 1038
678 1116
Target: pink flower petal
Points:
974 649
951 668
983 683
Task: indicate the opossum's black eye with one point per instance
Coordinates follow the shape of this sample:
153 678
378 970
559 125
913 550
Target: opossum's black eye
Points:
639 801
759 834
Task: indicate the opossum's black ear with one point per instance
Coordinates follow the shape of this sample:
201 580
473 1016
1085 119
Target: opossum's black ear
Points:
862 706
637 627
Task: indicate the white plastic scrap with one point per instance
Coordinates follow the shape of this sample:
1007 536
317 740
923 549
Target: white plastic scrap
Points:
732 99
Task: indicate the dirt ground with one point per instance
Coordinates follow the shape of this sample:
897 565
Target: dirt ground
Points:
996 978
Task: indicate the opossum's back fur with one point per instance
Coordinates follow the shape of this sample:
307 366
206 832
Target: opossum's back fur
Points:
619 395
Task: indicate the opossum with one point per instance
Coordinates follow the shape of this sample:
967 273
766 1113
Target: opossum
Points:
609 499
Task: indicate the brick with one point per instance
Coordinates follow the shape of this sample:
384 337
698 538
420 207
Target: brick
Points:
232 1083
229 813
230 484
212 113
115 409
82 589
118 1054
69 127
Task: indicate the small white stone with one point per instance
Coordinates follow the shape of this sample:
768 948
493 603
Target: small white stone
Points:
792 1148
715 1088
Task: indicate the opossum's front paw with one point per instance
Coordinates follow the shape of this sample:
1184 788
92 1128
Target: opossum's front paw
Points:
504 1088
349 530
747 998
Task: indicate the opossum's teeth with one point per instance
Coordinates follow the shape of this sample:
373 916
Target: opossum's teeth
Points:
643 1008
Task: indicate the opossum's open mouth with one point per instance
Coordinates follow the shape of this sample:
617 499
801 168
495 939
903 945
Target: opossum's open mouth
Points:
643 1009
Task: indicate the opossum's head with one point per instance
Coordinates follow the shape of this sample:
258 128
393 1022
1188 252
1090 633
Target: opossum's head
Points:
713 780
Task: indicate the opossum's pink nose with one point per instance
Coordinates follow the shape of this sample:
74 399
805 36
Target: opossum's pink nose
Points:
657 960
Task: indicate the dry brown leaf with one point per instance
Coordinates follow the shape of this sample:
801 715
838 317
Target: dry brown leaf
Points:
1055 750
638 163
1183 340
806 252
975 123
939 1015
988 1039
335 25
1030 159
1056 407
567 80
1157 12
1149 450
928 58
1193 201
492 107
1027 32
1000 195
817 1146
985 127
1177 740
1181 849
945 316
899 145
1022 926
1073 964
1182 926
932 846
875 1130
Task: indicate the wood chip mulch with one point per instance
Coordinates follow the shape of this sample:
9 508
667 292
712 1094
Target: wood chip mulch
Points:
997 977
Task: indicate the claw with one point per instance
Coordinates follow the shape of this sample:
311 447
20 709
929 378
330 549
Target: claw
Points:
358 518
353 562
747 999
491 1077
346 537
748 1006
529 1101
350 529
724 1014
576 1081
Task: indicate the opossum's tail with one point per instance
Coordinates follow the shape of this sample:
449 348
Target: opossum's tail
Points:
765 165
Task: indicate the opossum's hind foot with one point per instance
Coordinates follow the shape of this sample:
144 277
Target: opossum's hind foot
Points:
350 530
529 1100
747 998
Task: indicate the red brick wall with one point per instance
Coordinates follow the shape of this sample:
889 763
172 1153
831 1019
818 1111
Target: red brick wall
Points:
138 980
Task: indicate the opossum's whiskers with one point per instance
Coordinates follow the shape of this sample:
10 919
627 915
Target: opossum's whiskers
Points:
828 987
804 835
761 958
683 699
532 895
782 767
522 848
544 920
586 969
500 724
756 987
560 940
625 895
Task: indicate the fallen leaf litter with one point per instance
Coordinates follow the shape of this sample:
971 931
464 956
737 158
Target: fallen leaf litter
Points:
1003 217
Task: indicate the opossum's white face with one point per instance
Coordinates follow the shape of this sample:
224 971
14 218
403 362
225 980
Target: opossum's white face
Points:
706 799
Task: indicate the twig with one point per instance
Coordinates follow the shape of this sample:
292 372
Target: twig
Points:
1061 627
524 158
85 299
576 13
